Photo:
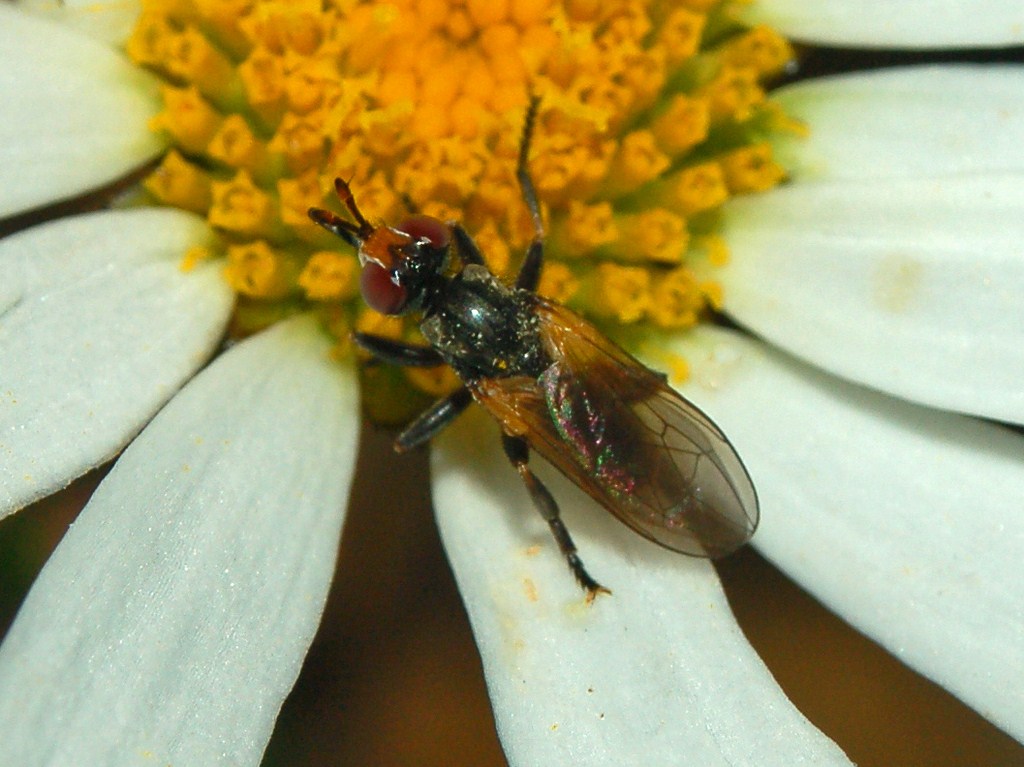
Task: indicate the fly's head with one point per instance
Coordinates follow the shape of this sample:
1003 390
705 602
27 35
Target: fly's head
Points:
399 264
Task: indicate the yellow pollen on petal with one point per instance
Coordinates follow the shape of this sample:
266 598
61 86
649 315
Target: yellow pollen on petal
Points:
676 367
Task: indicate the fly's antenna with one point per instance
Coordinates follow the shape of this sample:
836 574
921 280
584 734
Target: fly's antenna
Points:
344 192
354 234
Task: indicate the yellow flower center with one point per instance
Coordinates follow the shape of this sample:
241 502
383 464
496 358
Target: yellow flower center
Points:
652 114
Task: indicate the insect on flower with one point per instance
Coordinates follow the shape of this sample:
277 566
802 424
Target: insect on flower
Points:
553 382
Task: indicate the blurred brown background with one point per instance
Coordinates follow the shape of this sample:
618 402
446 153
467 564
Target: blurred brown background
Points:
394 677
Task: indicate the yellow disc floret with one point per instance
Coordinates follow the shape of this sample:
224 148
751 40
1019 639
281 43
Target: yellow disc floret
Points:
652 115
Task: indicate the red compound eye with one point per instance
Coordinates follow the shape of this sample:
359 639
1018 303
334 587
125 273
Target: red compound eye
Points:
426 228
380 292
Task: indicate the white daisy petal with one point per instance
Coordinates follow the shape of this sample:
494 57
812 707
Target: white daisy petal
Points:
904 520
903 24
99 326
655 673
173 618
108 20
895 258
77 113
915 287
907 122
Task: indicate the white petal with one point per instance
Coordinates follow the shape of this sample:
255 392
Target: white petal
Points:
913 287
655 673
894 257
903 24
108 20
173 618
903 520
75 113
99 326
907 122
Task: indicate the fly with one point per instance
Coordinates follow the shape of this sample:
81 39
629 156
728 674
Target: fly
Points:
554 383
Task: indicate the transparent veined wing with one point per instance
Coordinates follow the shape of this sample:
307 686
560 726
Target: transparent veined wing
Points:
616 429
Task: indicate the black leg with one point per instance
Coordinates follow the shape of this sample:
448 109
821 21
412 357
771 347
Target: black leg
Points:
529 273
433 420
468 251
398 352
518 453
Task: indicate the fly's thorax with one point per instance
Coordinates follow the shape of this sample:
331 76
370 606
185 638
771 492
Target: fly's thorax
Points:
484 329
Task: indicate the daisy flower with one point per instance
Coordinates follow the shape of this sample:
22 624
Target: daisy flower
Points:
879 275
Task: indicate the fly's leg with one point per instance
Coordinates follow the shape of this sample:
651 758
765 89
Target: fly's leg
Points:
468 250
516 448
437 416
518 453
529 273
397 352
432 420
